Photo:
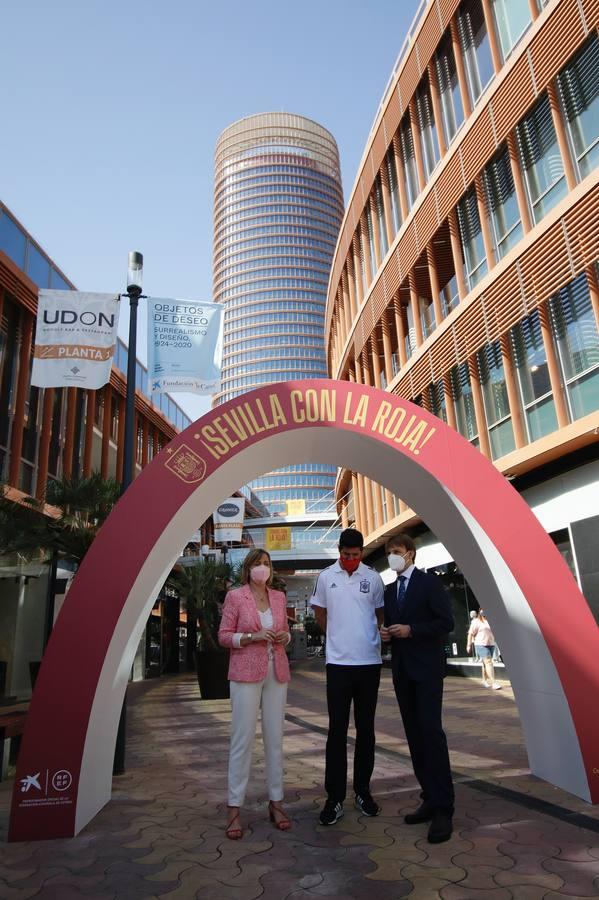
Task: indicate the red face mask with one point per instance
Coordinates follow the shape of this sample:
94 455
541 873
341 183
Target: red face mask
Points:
350 565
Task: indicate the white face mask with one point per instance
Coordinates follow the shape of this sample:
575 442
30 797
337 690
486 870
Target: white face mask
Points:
396 562
259 574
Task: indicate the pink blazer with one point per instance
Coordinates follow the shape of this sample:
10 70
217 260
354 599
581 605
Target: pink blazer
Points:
250 663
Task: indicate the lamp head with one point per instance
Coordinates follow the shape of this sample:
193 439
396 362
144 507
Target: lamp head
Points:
135 273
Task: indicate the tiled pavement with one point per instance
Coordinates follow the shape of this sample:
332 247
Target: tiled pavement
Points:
162 834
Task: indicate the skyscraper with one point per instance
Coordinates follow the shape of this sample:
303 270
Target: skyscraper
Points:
277 211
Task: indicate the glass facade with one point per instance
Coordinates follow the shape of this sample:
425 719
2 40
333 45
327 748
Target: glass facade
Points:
278 208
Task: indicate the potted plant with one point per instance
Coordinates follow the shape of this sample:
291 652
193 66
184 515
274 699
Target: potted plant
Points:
203 586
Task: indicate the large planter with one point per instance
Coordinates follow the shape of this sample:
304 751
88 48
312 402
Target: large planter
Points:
212 669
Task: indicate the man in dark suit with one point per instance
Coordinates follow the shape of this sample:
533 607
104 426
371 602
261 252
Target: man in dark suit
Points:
417 618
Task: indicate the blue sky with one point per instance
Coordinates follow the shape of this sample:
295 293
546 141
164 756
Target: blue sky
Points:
112 109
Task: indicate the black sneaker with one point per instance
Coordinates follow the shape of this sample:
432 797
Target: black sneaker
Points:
331 813
366 805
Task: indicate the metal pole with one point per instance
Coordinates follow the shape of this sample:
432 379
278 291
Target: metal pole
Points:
118 767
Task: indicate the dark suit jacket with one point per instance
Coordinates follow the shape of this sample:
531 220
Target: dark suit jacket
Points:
427 610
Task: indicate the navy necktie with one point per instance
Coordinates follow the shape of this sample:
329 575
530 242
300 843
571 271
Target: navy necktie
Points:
401 592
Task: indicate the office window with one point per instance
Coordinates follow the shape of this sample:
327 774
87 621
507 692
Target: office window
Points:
541 159
427 316
409 161
495 400
512 18
436 395
575 332
474 41
426 124
12 240
393 189
579 89
533 377
472 238
502 202
57 282
463 401
449 295
449 88
38 267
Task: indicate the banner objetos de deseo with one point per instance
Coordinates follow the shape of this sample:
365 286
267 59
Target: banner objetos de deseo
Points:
184 346
75 338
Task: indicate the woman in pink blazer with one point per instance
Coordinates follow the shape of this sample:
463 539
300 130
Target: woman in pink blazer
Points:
254 627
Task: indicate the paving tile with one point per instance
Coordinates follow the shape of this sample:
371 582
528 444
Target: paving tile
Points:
163 833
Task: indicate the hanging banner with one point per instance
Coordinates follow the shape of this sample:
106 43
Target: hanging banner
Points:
228 520
278 538
75 337
295 507
184 346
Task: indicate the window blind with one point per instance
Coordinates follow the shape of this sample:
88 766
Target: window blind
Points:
468 219
498 181
535 133
525 338
424 107
460 380
579 80
470 21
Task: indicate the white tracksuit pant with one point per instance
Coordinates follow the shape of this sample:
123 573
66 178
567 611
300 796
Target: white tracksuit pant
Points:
246 699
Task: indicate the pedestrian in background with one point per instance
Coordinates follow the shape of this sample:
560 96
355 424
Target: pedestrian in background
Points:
482 639
254 627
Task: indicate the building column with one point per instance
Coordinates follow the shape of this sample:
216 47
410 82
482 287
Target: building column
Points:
144 452
401 332
512 393
106 424
155 442
521 196
386 195
358 370
347 320
357 270
479 408
401 178
366 375
561 409
534 9
387 348
44 447
449 404
368 502
456 252
437 110
484 223
374 218
562 138
90 412
378 504
416 138
460 67
365 242
415 304
16 437
376 362
120 441
359 503
69 440
434 281
492 33
351 286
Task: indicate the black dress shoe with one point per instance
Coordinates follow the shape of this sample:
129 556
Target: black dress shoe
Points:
424 813
441 828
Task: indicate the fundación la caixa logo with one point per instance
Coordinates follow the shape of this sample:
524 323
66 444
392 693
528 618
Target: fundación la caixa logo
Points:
46 787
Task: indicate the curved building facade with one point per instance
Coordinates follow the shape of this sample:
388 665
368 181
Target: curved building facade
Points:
277 210
465 276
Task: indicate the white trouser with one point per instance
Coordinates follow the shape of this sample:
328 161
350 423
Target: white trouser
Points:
246 698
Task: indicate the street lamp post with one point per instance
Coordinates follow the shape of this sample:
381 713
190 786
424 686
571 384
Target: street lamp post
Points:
134 288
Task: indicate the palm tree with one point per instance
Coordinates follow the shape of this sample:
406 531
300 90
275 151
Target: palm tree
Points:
203 587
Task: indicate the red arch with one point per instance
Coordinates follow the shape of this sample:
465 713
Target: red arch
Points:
497 540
